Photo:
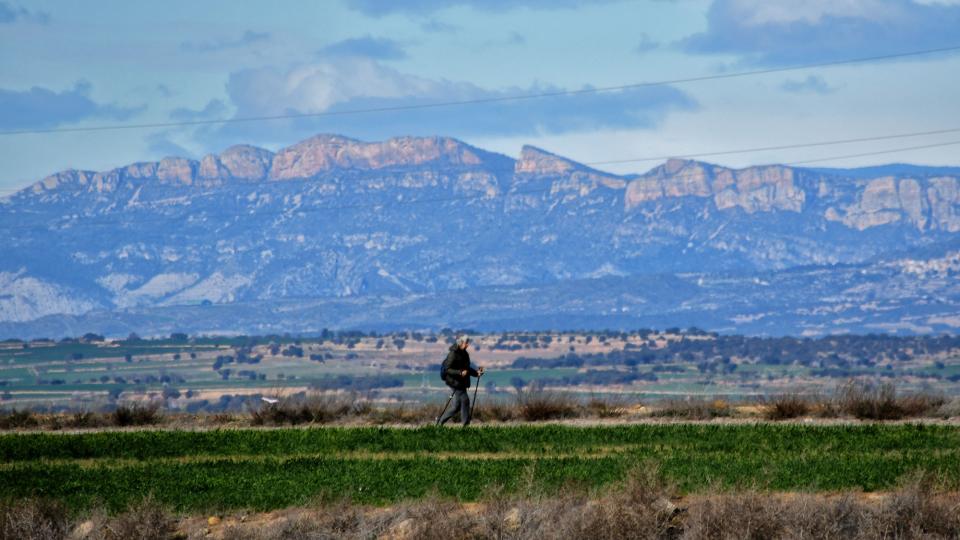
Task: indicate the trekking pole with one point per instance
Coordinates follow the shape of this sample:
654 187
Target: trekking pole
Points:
474 402
445 405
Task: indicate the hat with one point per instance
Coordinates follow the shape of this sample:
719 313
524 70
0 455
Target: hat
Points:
463 339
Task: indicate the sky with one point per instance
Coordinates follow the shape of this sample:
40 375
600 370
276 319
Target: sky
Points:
65 65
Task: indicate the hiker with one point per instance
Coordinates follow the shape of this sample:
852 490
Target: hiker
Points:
457 373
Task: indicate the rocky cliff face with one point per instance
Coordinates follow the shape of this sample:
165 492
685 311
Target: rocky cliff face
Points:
239 162
333 217
924 204
318 155
330 152
567 175
755 189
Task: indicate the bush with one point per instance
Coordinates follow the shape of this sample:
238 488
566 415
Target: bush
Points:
17 419
870 402
148 520
84 419
742 515
950 408
786 406
33 519
880 402
535 404
921 404
136 414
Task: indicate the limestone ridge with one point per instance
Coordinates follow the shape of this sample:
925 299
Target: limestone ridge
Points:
752 189
331 152
925 202
315 156
537 163
417 217
858 203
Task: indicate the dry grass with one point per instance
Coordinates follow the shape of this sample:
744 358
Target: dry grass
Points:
949 409
533 404
693 409
603 407
638 509
644 506
497 410
319 408
404 413
148 520
33 519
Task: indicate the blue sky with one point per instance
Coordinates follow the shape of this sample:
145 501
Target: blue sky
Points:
70 64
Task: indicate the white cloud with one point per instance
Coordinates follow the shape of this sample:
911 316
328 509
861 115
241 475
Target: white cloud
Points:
404 105
758 12
315 87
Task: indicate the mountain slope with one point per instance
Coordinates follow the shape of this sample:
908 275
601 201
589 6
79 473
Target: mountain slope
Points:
332 217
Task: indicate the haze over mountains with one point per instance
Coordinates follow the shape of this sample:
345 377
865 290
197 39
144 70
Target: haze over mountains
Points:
432 232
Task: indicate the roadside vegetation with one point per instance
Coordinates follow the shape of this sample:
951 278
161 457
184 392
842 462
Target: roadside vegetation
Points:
642 505
532 403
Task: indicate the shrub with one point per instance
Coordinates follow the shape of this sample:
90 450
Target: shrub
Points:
84 419
921 404
869 402
17 419
880 402
950 408
136 414
33 519
148 520
914 511
536 404
787 406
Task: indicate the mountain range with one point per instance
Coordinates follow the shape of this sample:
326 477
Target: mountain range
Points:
428 232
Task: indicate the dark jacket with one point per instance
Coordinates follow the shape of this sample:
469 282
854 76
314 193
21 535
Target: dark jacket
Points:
457 361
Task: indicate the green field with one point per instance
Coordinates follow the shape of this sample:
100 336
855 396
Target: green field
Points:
268 469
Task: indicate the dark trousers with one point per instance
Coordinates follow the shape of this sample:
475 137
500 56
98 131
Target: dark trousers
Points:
461 403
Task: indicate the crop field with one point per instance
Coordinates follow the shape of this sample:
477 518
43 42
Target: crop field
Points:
219 373
264 469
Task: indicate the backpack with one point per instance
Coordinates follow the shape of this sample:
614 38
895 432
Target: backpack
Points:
444 366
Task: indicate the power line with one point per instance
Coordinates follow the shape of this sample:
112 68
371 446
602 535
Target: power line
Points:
478 101
877 153
781 147
550 188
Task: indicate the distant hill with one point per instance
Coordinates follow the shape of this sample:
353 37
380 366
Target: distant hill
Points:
430 231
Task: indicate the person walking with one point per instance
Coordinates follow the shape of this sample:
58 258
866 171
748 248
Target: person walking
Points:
457 373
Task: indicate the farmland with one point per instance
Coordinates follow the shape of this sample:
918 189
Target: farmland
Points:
265 469
221 373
